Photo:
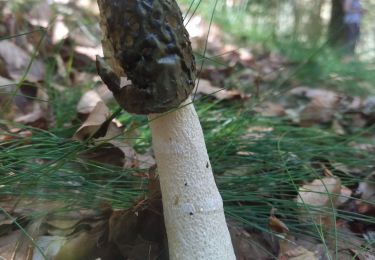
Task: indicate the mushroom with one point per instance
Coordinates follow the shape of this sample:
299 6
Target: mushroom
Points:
150 69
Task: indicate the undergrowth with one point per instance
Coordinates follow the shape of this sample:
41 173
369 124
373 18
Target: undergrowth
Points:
259 162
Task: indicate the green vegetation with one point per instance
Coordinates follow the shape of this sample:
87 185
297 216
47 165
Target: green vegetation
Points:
260 162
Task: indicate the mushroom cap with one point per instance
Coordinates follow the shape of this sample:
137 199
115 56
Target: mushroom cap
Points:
149 48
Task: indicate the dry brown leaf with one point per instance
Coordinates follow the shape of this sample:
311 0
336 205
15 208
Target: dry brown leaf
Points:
33 108
89 100
114 151
312 93
145 161
41 14
7 85
270 109
367 188
105 94
248 245
14 134
257 132
128 156
50 245
60 30
17 61
277 225
81 246
362 255
205 87
35 112
109 150
321 108
298 253
319 193
96 118
345 195
8 248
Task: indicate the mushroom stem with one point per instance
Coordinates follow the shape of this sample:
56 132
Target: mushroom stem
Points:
193 208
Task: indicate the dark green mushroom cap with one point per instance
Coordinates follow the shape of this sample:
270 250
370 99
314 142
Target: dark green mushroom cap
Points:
146 42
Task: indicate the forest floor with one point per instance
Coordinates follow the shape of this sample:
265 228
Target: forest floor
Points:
289 131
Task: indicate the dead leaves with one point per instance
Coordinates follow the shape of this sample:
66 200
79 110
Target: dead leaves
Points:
136 233
307 107
108 148
297 253
16 62
321 108
28 105
205 87
98 115
109 144
320 193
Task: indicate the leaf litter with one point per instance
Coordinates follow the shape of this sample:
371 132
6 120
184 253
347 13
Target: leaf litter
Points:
238 74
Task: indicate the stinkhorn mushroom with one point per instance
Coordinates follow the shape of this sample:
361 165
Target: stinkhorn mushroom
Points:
149 66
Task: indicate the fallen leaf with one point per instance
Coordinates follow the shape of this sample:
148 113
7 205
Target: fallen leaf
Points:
8 246
79 246
88 102
298 253
205 87
257 132
145 161
94 121
367 187
50 246
113 153
369 106
345 195
277 225
362 255
322 105
270 109
34 109
16 133
319 110
313 93
319 193
60 30
41 14
33 106
90 99
109 149
248 245
17 61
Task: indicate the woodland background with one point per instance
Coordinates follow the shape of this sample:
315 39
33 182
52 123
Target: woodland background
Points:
288 119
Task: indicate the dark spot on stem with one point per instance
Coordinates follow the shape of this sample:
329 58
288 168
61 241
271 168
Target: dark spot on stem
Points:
191 213
207 165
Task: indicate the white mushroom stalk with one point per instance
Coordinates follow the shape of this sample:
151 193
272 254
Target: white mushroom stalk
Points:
146 42
193 208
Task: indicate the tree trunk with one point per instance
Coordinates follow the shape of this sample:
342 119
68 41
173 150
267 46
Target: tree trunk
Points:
336 33
193 208
315 24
